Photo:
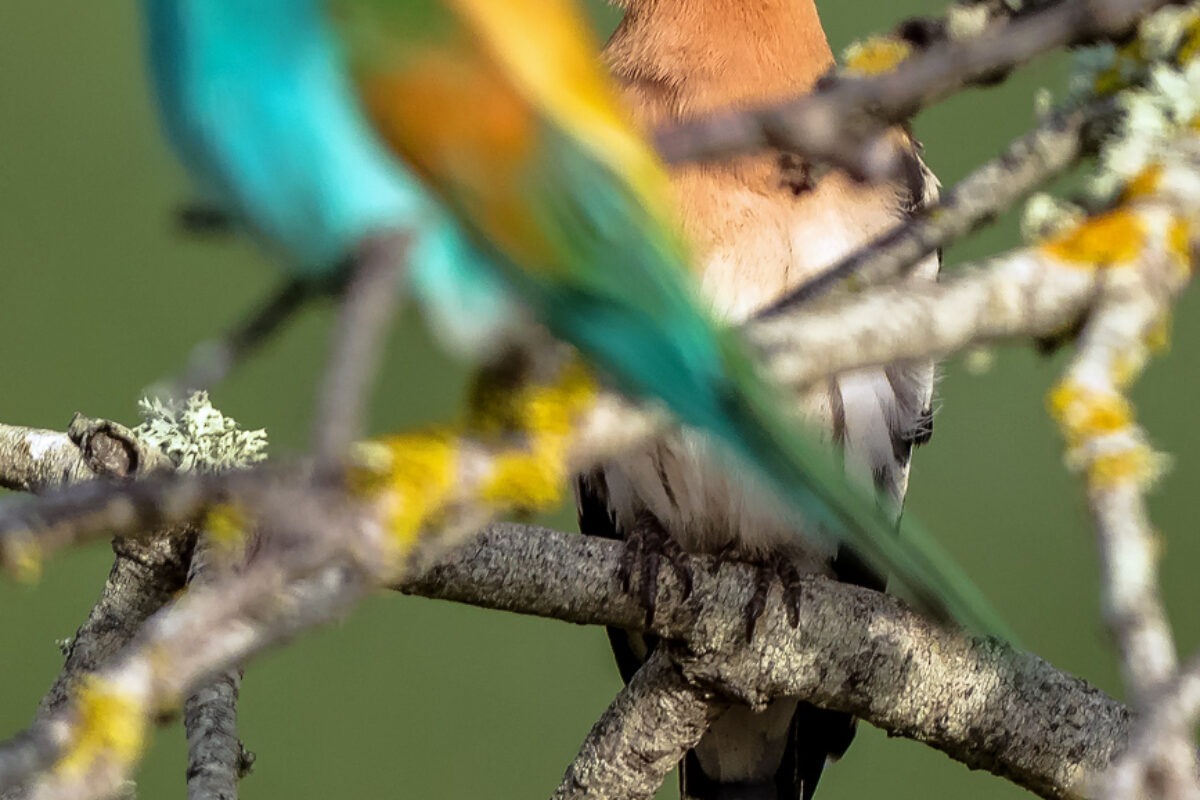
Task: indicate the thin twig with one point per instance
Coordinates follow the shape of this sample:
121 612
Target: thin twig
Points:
831 125
1057 143
368 305
215 754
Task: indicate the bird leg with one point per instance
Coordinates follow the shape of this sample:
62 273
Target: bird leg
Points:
646 546
781 566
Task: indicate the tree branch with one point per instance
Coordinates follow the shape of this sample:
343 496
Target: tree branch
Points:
216 758
33 460
368 304
844 122
1049 149
642 736
980 702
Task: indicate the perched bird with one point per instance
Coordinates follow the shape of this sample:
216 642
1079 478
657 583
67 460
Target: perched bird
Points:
261 111
758 227
504 109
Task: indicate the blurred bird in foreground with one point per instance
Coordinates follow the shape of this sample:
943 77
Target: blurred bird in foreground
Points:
504 110
759 226
259 108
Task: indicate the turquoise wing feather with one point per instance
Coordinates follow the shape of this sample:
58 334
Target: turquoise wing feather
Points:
258 106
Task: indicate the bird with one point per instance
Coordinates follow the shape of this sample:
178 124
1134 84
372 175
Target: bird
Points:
758 226
506 113
521 187
261 111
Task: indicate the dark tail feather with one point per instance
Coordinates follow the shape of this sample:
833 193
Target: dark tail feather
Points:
816 737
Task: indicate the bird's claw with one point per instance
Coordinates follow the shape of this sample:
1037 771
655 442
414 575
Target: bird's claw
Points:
789 578
646 546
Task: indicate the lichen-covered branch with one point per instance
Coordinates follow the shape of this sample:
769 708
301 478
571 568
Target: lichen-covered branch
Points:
1019 295
843 122
146 572
1029 161
641 737
1157 734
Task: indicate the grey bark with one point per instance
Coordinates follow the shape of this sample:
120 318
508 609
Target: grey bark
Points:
657 718
981 702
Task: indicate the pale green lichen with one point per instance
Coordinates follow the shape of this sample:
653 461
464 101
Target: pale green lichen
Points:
1155 79
966 21
197 437
1153 116
1045 217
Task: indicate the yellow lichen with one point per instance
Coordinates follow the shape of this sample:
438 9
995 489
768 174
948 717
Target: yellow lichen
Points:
531 480
1179 246
875 55
1111 239
23 556
412 476
1138 465
1085 413
109 724
1116 77
227 527
1144 183
1127 365
534 477
1189 48
1158 338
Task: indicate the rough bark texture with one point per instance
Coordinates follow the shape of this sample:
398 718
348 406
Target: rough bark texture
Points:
657 718
981 702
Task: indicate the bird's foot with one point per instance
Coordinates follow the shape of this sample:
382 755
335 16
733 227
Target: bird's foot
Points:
646 547
783 567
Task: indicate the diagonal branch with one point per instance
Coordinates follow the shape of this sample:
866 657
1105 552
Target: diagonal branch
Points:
1027 162
831 125
642 736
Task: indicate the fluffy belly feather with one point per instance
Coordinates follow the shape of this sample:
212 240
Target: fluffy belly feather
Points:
756 245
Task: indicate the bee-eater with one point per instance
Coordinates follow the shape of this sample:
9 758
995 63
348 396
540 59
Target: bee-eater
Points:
757 228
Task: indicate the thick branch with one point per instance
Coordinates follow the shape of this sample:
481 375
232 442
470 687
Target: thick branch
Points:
657 718
981 703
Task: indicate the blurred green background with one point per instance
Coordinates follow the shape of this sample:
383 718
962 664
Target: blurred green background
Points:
413 698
